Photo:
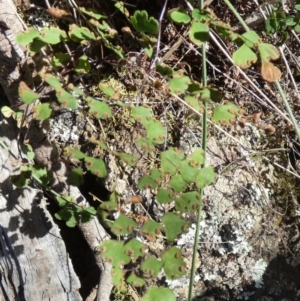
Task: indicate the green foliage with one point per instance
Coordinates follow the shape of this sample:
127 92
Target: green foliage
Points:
188 201
38 40
52 81
141 114
42 111
101 144
23 179
76 177
98 108
74 214
151 266
92 13
108 206
121 7
142 23
81 34
59 59
107 89
164 70
201 15
173 263
26 94
29 173
244 57
179 83
159 294
71 212
74 153
66 99
194 102
119 253
164 195
280 23
176 172
199 33
205 176
156 133
113 251
177 183
16 115
174 225
151 229
268 52
251 39
209 94
176 178
146 144
226 114
134 248
145 25
123 225
171 161
7 112
249 44
96 166
26 37
127 158
135 280
179 16
52 35
28 150
83 65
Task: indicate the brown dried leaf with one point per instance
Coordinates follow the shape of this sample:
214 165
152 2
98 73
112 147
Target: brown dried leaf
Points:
57 13
23 86
250 118
269 129
135 199
127 30
256 117
243 121
116 96
270 72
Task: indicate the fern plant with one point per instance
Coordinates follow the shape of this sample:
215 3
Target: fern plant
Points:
179 179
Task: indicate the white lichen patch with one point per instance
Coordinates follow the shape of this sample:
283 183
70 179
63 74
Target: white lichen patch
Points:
225 230
39 18
240 246
63 133
232 218
181 282
187 238
258 271
63 128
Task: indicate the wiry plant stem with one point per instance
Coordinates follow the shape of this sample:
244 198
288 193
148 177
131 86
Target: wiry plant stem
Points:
237 15
281 92
288 108
204 142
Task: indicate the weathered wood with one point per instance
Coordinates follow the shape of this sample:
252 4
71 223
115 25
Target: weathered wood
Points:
43 260
34 263
10 58
46 154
